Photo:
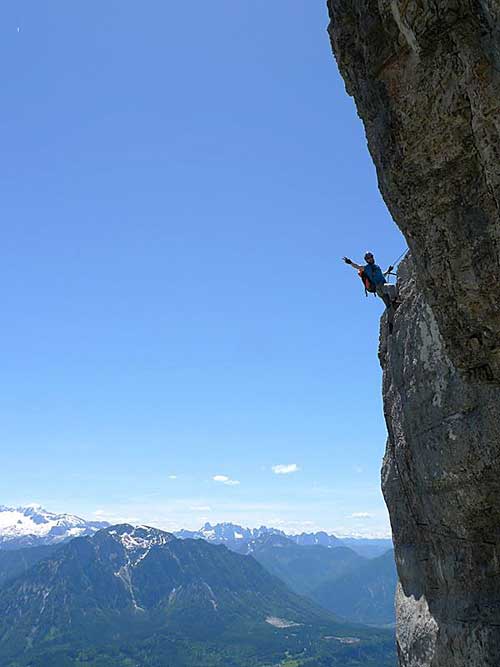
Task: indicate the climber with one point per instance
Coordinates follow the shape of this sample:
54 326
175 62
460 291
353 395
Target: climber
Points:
374 280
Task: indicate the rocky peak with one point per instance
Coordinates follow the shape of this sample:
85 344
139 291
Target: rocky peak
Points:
322 538
136 537
266 541
136 541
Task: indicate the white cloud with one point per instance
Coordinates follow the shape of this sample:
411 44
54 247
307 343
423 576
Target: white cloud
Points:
172 476
201 508
224 479
361 515
285 469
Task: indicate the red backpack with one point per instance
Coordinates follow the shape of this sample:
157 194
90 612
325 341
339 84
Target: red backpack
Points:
367 283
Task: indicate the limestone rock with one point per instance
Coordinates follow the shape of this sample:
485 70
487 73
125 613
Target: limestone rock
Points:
442 486
425 75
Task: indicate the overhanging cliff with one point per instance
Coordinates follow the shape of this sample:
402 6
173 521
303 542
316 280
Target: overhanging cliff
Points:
425 75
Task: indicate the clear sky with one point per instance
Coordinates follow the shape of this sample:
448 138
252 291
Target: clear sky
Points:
179 182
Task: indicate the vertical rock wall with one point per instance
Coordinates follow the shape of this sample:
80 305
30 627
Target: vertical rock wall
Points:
441 481
425 75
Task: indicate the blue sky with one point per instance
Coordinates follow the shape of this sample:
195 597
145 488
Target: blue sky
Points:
178 184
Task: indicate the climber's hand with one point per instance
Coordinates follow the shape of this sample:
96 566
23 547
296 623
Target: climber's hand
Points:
347 260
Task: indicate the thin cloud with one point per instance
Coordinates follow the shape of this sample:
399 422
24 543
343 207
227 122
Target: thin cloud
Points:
285 468
361 515
201 508
224 479
172 476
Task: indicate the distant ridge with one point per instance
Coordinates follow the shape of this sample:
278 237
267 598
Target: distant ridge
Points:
32 525
240 539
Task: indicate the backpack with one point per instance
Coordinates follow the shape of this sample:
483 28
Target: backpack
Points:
367 283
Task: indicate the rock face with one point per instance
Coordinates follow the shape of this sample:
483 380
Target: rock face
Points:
425 75
442 486
426 78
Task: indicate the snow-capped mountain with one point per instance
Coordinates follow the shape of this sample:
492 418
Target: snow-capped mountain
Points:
33 526
222 533
231 535
245 540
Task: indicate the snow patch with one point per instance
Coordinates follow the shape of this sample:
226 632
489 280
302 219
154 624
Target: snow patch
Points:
281 622
138 541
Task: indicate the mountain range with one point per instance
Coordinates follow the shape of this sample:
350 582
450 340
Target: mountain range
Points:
241 539
238 538
34 526
340 580
140 596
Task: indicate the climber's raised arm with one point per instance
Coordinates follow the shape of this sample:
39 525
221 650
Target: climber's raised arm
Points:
351 263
